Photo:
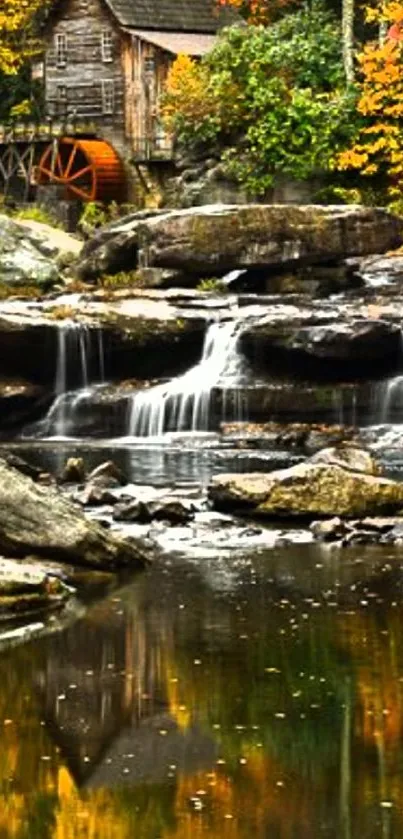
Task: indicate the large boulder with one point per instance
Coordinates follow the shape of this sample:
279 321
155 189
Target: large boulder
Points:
52 241
219 238
25 257
40 520
327 486
113 248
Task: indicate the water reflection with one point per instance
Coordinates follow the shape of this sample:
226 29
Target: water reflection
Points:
179 460
181 708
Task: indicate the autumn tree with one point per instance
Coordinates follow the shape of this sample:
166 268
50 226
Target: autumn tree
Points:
19 44
270 101
378 150
260 11
18 32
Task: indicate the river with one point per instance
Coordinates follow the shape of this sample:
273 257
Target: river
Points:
223 692
253 695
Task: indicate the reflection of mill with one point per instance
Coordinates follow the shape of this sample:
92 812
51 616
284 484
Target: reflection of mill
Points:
106 703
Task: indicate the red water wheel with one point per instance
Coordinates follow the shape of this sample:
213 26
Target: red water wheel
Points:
89 170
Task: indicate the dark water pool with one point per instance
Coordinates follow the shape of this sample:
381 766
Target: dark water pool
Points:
251 698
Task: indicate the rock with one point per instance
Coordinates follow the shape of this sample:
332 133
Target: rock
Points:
52 241
219 238
107 474
170 510
329 530
46 479
360 537
21 465
299 402
381 525
23 260
20 400
94 496
382 266
73 471
132 511
307 490
361 531
112 249
394 536
27 587
352 346
40 520
304 437
348 457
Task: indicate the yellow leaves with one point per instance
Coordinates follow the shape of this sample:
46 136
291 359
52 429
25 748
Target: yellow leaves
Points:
380 143
351 159
17 40
187 92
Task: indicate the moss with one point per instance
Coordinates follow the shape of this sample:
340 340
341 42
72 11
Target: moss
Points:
123 279
142 330
61 313
34 212
27 292
212 284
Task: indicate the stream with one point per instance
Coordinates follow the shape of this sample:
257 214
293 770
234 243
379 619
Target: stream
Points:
249 683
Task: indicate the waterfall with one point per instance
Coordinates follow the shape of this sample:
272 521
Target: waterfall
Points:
391 400
79 360
184 402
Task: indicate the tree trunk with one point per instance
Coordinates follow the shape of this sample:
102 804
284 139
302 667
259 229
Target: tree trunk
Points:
348 38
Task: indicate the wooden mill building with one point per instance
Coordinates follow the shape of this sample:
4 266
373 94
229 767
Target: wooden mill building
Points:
103 71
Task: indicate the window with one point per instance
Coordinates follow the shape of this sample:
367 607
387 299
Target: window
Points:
61 49
61 99
107 45
108 96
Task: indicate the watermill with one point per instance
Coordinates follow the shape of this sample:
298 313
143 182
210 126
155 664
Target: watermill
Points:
88 170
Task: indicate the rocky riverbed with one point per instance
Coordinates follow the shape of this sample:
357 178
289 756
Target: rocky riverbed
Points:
201 509
275 338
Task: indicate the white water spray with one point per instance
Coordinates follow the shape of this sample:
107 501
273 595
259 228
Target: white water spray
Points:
184 402
79 359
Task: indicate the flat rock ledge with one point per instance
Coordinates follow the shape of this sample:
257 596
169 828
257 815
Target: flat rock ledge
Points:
219 237
368 531
27 588
39 520
335 482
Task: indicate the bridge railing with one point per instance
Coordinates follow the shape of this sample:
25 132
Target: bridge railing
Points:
48 129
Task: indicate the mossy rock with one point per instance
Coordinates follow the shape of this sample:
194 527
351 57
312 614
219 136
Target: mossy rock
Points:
310 490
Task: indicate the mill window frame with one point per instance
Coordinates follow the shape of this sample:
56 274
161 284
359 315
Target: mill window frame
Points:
107 46
61 49
108 96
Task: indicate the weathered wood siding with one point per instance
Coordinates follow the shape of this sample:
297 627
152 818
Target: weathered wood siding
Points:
145 68
78 88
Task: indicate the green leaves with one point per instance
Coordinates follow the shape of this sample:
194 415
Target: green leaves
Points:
280 92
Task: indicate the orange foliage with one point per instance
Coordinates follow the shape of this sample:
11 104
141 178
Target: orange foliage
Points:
379 149
259 11
186 91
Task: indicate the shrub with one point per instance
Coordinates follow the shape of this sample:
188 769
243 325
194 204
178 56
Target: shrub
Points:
273 98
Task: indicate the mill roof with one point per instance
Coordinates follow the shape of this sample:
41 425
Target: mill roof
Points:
171 15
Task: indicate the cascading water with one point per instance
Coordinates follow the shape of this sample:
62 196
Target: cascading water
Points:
184 403
80 360
391 401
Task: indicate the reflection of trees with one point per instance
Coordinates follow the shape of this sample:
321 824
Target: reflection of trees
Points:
244 718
